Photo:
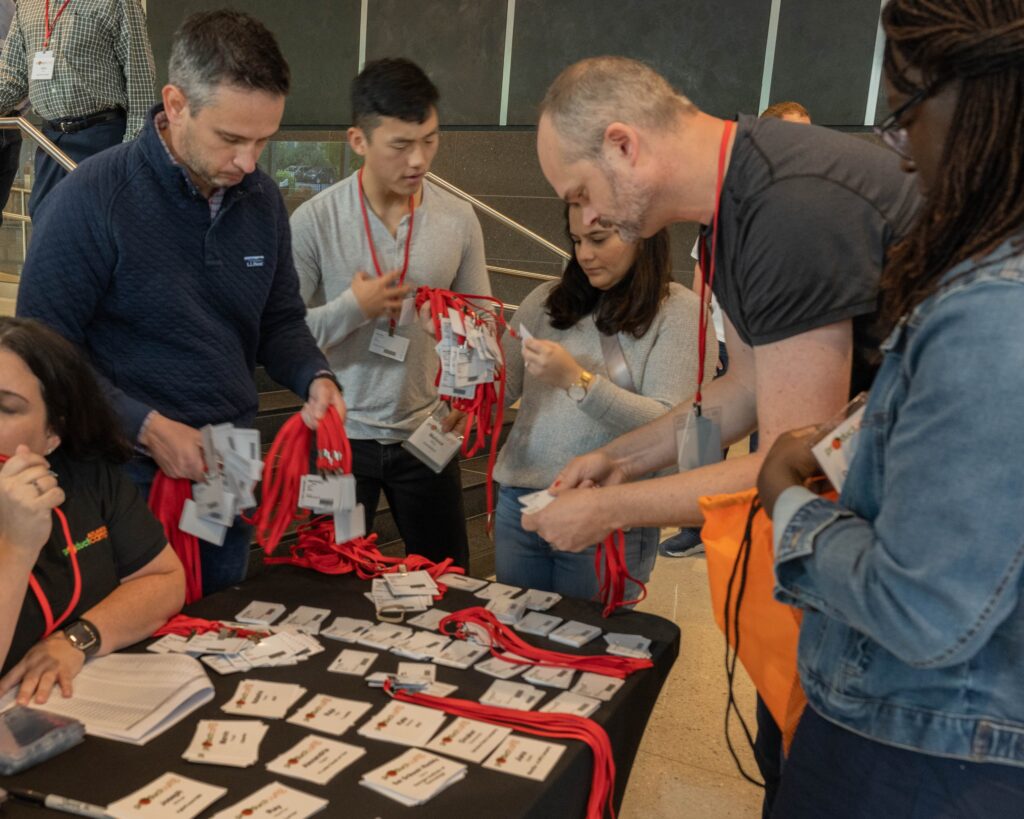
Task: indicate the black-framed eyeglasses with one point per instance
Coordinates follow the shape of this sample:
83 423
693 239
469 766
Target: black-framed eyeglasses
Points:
892 133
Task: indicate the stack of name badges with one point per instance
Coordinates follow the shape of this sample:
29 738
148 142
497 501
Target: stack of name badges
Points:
233 468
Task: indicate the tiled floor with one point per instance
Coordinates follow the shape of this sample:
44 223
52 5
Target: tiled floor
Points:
683 769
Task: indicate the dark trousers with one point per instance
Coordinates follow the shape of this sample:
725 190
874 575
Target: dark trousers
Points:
10 159
427 507
832 772
768 753
79 146
222 566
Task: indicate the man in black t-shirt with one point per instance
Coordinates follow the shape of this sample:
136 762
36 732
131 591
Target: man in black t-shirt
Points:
804 220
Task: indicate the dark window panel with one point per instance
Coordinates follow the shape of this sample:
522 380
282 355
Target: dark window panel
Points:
712 52
459 43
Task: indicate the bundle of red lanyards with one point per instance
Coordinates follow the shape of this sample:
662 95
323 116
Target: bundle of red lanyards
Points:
503 639
485 411
611 557
552 725
286 462
167 498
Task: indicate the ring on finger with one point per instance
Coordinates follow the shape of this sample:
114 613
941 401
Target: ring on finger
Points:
35 483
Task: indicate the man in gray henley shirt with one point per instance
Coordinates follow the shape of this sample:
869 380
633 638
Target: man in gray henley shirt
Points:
354 285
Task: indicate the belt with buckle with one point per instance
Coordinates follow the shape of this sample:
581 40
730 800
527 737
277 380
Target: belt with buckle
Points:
72 125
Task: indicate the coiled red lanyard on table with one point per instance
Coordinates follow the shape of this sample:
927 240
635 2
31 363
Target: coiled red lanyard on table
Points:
186 626
167 498
551 725
44 603
485 411
315 547
503 639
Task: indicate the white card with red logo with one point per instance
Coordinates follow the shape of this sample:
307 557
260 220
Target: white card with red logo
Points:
258 698
274 801
529 758
232 742
332 715
171 796
403 724
835 449
468 739
414 777
316 759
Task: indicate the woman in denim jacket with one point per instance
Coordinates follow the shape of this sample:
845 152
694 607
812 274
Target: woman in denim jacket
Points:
912 642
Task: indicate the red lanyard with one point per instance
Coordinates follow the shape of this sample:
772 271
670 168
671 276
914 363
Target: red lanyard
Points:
553 725
707 277
186 626
611 556
503 639
315 547
167 498
369 236
51 26
37 590
485 411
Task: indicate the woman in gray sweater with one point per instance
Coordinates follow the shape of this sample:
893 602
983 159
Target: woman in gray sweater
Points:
614 345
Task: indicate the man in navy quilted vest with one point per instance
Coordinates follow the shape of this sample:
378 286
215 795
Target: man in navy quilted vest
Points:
168 260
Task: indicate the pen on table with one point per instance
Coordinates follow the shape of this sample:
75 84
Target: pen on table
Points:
61 803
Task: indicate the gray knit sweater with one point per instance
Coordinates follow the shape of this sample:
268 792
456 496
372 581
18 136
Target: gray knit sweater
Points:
551 428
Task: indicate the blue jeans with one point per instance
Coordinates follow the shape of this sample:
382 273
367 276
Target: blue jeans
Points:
525 559
222 566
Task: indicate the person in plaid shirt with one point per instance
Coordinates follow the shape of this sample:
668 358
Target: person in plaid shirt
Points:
87 69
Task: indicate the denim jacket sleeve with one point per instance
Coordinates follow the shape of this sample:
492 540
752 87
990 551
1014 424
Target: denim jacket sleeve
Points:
939 569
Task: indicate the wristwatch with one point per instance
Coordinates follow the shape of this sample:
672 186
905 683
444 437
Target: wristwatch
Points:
578 389
84 636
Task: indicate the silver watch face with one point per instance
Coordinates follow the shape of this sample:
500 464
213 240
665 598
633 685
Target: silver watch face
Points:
81 636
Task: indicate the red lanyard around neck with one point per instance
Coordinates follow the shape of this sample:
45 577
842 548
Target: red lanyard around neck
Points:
51 26
37 590
707 276
369 233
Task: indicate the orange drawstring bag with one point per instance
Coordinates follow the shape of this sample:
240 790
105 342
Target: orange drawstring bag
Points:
761 631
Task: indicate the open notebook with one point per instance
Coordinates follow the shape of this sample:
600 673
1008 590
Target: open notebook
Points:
131 697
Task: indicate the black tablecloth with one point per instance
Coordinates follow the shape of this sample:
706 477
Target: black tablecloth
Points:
101 771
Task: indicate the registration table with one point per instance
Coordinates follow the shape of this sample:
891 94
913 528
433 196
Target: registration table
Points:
101 771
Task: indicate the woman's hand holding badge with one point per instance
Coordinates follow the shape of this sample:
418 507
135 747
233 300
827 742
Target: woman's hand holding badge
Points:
550 362
790 462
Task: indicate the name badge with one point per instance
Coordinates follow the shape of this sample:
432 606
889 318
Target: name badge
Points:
389 346
408 313
837 444
42 65
432 445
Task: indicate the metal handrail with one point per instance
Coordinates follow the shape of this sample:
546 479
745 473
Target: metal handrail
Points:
44 142
495 214
522 274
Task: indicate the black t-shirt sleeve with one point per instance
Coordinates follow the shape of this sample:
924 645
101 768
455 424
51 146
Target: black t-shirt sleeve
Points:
135 535
811 256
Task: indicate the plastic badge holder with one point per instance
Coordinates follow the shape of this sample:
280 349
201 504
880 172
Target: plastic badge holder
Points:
431 445
28 737
835 446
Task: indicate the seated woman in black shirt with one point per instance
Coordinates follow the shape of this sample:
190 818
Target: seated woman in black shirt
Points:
60 449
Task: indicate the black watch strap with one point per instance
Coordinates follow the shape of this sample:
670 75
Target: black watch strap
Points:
84 636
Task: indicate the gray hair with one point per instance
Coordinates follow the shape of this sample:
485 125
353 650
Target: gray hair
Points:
225 47
589 95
